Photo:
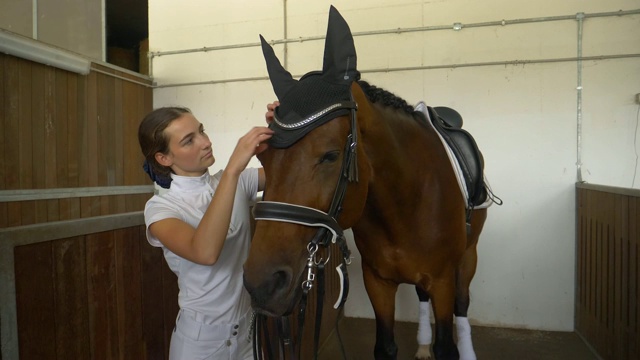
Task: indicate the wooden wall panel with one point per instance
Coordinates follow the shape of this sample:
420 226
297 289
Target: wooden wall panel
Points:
11 127
35 301
129 293
3 206
81 297
155 332
72 319
607 270
102 295
61 117
63 130
108 295
632 323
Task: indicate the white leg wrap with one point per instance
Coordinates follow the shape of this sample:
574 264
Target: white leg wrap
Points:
465 345
424 324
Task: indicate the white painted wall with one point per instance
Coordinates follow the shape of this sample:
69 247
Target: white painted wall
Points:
524 117
74 25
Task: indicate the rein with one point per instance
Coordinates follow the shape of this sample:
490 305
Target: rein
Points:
329 232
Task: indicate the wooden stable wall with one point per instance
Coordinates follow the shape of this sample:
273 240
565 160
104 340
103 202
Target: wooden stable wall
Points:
94 295
77 278
608 270
63 130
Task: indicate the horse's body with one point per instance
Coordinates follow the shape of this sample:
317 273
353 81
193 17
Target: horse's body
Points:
406 210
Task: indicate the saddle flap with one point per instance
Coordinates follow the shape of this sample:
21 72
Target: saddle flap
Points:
465 150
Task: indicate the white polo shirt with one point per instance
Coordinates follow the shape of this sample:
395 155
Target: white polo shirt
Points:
216 291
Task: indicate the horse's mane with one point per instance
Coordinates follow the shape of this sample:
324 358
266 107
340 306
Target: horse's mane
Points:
385 98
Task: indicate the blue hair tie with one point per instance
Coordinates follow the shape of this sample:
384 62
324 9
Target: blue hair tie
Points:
163 181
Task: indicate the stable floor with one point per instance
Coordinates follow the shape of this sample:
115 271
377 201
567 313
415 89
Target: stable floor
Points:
358 337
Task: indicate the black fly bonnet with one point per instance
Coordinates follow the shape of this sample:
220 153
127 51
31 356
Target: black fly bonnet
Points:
318 96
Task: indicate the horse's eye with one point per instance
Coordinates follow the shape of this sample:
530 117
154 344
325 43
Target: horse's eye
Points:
330 157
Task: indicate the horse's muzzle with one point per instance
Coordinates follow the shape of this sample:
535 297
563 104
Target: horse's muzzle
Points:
271 294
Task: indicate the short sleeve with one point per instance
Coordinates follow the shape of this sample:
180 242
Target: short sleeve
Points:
249 183
155 210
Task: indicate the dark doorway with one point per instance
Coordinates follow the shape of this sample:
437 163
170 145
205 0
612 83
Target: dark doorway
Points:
127 34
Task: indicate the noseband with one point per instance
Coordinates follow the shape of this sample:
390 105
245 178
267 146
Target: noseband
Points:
329 231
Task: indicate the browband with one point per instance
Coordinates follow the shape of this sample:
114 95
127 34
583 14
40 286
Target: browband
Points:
317 115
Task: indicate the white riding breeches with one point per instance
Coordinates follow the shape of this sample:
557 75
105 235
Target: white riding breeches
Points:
193 339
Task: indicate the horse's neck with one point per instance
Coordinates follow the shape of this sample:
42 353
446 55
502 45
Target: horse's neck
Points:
403 154
400 140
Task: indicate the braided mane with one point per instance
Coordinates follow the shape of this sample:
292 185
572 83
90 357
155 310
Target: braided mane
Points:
385 98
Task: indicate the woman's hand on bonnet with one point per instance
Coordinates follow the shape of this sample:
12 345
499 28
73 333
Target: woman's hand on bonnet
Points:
252 143
271 108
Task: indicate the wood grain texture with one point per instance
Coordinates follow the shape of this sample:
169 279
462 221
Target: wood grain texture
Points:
607 272
61 130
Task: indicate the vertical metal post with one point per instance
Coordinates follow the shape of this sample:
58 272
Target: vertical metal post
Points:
580 18
34 19
285 31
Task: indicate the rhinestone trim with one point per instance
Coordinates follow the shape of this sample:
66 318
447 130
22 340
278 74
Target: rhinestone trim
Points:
309 119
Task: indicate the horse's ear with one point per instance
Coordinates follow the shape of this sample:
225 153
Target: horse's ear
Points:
281 79
340 63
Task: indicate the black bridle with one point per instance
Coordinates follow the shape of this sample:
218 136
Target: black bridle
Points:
329 231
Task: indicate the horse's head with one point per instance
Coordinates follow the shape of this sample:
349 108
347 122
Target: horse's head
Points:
316 172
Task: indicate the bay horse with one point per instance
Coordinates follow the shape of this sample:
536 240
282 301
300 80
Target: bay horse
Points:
396 189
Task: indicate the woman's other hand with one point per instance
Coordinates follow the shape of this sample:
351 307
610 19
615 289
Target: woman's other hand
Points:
252 143
271 108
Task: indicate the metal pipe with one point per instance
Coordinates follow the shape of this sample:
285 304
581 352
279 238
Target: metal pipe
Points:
66 193
103 27
580 18
400 31
285 33
423 67
34 19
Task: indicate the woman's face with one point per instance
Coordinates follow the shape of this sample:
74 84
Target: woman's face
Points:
190 152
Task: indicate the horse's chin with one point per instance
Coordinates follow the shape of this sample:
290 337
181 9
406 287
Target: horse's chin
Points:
275 307
270 313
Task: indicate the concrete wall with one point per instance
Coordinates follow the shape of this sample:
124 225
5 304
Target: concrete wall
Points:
524 117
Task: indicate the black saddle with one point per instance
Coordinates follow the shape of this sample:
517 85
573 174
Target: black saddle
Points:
448 123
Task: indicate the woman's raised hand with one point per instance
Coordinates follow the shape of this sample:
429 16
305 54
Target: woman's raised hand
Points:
252 143
271 108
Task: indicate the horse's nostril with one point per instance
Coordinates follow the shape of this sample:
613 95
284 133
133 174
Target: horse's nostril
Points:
272 287
280 280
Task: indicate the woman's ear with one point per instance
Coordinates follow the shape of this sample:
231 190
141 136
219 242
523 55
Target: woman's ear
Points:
163 159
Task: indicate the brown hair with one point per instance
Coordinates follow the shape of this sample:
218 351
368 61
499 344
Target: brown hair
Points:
152 138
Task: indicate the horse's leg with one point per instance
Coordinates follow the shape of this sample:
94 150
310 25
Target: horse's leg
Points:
424 326
465 273
382 294
442 293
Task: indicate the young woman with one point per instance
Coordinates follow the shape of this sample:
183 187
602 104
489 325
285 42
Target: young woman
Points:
202 224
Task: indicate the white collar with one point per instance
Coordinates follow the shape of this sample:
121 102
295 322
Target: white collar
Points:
191 184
